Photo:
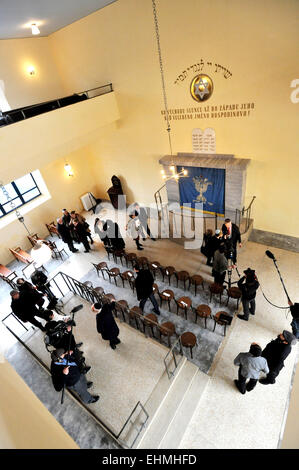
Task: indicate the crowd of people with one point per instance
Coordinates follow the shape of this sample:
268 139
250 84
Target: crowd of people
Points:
68 366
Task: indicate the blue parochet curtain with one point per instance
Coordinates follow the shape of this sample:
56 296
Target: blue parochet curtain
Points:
203 185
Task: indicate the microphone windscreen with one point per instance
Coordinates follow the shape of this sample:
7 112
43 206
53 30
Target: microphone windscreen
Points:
269 254
76 309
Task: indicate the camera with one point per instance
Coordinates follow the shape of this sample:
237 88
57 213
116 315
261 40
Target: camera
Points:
55 332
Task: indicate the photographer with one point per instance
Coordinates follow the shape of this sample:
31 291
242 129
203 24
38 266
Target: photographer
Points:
295 322
65 372
59 335
248 285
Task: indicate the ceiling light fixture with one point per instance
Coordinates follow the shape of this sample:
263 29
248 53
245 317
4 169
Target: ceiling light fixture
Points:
34 29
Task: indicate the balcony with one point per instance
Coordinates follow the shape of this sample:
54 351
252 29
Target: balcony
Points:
47 131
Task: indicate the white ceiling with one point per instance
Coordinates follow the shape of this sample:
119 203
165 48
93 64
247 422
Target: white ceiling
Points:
49 15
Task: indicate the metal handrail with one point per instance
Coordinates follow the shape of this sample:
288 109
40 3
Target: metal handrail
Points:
171 351
55 101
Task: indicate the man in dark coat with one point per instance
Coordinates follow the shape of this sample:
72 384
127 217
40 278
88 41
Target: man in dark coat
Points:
106 324
65 372
295 314
144 288
248 285
65 233
142 216
232 236
276 352
23 305
81 233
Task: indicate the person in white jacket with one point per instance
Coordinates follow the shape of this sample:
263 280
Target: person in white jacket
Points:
134 229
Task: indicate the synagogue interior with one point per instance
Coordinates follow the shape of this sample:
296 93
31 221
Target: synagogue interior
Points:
149 246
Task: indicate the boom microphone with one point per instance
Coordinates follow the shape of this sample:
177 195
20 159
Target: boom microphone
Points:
270 255
76 309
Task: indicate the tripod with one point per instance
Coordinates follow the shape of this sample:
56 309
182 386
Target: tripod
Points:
229 274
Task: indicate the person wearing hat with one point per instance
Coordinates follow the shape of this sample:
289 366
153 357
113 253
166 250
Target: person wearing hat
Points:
65 372
23 305
295 314
248 285
276 353
251 364
106 324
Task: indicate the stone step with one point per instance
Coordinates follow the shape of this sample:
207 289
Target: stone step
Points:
160 428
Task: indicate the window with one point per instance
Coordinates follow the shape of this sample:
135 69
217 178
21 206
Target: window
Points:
20 192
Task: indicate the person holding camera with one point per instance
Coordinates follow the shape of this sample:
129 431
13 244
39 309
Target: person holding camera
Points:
248 285
59 335
65 372
40 281
232 236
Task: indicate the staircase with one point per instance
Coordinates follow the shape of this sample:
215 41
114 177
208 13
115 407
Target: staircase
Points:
171 407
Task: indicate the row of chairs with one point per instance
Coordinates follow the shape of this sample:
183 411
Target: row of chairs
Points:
147 322
183 303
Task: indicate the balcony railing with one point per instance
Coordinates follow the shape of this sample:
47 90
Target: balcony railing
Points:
20 114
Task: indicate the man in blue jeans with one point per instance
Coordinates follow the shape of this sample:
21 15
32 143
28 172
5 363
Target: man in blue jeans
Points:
144 287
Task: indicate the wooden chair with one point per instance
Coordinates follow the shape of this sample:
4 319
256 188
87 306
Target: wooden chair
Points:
127 276
150 321
203 311
134 314
196 280
188 340
167 295
99 292
21 255
119 254
130 258
52 229
109 251
185 303
182 276
222 318
108 298
154 267
155 289
101 268
234 293
216 289
8 276
142 262
167 329
167 272
113 273
122 307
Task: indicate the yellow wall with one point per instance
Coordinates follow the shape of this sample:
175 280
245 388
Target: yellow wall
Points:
22 89
255 40
65 193
25 423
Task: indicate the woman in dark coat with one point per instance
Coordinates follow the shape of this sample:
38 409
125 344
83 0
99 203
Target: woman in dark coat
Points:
106 324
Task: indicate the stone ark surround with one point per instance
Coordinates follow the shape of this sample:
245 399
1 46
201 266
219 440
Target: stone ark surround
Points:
235 176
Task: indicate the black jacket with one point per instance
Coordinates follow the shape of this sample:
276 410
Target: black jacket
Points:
276 352
144 284
25 306
235 235
295 311
106 324
59 378
64 232
248 288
